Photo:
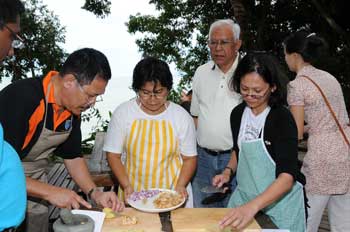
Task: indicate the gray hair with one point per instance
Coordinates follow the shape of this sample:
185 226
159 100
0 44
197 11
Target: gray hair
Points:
226 22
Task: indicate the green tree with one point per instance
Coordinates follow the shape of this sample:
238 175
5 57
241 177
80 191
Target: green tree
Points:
101 8
179 32
44 37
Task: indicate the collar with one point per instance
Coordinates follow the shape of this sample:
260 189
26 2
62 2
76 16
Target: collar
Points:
46 82
230 72
51 98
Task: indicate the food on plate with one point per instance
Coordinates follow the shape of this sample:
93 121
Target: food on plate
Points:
143 194
144 201
109 213
129 220
167 200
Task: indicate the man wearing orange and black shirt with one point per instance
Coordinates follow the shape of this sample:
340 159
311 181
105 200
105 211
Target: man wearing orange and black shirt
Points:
41 116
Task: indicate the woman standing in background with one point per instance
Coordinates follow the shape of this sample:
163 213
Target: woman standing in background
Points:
327 162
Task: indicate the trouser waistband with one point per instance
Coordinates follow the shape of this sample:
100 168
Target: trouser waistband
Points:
214 152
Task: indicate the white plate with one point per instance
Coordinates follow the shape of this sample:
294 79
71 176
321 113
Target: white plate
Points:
148 206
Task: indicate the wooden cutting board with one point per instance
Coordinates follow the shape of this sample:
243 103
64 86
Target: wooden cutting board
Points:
203 220
146 222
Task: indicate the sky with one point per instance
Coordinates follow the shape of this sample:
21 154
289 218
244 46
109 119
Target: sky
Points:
110 36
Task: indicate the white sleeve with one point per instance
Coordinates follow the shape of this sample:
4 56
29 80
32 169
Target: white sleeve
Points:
194 102
114 139
187 135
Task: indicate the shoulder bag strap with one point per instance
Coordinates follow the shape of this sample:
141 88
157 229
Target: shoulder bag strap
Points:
330 109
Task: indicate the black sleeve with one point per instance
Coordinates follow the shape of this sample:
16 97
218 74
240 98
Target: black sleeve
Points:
235 121
71 148
18 101
284 139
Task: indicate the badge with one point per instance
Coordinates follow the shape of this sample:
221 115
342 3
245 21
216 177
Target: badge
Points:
68 124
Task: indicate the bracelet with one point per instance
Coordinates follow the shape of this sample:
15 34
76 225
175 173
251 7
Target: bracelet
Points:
231 170
90 192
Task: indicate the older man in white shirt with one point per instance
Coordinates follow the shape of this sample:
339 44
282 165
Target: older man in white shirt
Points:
211 106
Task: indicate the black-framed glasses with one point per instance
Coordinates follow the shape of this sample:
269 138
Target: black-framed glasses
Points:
245 93
17 41
158 94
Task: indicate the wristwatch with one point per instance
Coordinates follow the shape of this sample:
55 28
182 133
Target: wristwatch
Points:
90 193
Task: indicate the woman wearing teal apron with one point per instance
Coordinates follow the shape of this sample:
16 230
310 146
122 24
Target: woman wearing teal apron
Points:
265 150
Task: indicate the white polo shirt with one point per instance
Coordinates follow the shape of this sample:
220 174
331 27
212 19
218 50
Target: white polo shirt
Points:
212 102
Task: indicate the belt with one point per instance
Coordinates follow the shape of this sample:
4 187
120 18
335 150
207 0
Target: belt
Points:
215 153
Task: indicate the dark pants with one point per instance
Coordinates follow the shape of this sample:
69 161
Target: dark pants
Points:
208 166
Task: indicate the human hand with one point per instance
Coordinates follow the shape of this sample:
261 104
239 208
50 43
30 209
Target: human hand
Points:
65 198
219 180
107 200
182 191
128 190
238 218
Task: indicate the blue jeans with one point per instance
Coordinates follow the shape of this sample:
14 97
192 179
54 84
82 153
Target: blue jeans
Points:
207 167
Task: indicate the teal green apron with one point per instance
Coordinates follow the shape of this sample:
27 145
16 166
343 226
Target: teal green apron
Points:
255 172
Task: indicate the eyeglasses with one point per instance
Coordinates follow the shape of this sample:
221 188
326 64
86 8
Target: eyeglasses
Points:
255 96
91 99
17 41
222 43
158 94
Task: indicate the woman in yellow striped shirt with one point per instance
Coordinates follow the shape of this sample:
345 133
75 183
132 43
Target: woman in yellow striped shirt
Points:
156 136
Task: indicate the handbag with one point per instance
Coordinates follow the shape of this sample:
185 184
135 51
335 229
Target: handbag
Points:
330 109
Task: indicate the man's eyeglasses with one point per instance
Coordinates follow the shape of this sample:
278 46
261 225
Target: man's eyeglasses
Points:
245 93
91 99
17 41
223 43
158 94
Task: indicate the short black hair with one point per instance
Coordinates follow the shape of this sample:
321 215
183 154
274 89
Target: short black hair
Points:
85 64
267 66
9 10
310 46
151 69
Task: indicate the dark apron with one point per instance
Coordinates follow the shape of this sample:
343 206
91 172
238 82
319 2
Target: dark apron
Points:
35 166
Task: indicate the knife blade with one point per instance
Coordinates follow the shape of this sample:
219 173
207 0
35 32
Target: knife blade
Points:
212 189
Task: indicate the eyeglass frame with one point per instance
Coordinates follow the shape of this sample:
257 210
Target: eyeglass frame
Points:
148 94
17 40
91 100
255 96
222 43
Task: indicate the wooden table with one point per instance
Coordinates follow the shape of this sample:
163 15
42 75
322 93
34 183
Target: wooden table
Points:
182 220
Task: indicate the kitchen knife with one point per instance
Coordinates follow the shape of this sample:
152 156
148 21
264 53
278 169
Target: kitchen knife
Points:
212 189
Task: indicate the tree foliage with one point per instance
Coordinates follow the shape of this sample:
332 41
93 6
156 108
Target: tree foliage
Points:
101 8
179 32
44 37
